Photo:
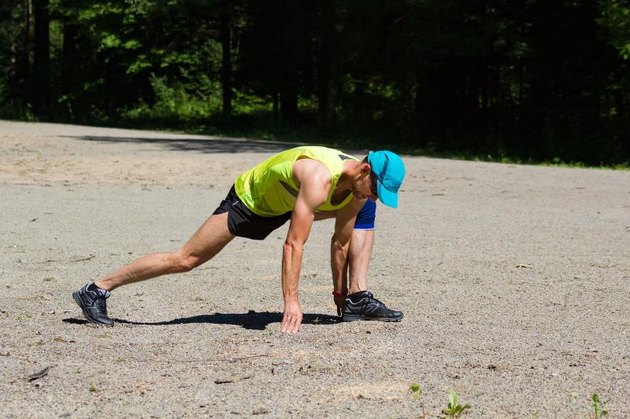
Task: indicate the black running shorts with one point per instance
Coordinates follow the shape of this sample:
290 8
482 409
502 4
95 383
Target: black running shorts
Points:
244 223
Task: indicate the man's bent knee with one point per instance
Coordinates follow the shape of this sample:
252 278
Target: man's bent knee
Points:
184 263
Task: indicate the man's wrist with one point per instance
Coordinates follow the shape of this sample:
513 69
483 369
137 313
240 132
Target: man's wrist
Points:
341 293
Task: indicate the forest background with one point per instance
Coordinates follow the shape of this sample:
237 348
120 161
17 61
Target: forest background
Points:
521 80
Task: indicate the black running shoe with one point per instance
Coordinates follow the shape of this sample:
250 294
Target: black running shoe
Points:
363 306
91 299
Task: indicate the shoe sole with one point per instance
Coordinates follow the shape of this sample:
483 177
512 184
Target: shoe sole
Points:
79 301
359 317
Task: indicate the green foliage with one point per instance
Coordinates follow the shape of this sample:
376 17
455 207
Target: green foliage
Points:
616 19
598 409
415 390
10 37
527 81
174 102
454 409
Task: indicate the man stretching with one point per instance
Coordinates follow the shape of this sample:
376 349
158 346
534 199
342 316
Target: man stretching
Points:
302 184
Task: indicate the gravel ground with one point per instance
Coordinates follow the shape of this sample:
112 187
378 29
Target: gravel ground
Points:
514 280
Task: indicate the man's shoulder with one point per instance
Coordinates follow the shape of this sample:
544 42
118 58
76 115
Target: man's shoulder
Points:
310 168
316 151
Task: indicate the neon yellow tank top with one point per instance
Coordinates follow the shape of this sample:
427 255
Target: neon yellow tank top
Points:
268 189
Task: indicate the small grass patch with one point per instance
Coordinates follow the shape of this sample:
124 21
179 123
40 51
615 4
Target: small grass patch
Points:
415 391
598 409
454 409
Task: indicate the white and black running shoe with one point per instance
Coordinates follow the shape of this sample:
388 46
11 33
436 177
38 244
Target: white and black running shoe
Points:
92 301
363 306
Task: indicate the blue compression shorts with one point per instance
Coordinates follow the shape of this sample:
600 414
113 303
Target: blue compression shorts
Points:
366 217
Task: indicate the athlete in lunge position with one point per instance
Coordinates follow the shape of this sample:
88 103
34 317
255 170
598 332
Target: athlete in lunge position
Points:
301 184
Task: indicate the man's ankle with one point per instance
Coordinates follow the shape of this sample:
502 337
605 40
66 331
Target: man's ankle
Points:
99 286
356 296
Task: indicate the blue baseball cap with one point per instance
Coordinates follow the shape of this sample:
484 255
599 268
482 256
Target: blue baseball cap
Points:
389 170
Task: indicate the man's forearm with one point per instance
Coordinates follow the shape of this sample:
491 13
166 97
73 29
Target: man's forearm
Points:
291 264
339 265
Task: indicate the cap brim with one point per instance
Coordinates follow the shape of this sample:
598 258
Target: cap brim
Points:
386 196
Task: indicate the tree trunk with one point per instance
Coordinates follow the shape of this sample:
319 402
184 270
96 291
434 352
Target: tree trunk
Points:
289 92
276 106
23 56
226 61
69 51
70 62
41 60
326 63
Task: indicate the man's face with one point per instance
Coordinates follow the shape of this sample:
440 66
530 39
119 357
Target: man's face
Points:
366 187
373 185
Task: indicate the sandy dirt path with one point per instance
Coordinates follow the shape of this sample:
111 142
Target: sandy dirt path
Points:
514 280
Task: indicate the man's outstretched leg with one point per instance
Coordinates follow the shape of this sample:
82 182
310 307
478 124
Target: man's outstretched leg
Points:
211 237
360 304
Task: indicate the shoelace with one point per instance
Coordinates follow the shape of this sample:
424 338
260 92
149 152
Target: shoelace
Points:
101 304
367 299
377 304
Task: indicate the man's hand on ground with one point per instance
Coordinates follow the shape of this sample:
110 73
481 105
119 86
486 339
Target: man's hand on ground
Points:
292 318
340 302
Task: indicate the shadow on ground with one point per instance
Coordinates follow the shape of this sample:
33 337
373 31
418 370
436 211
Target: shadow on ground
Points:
210 145
250 320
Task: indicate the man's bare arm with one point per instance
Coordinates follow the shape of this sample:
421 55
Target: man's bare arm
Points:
314 180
